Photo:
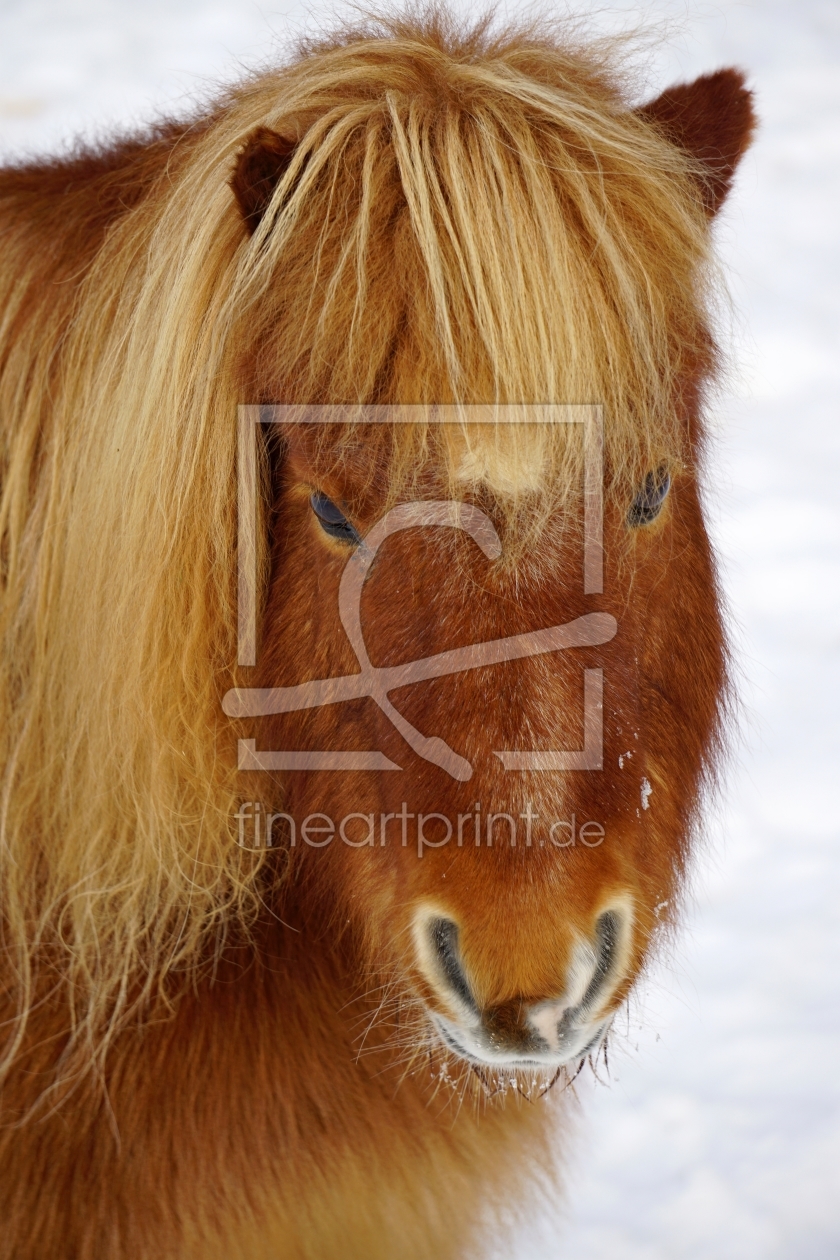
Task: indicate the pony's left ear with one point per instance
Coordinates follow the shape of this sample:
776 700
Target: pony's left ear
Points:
260 165
713 120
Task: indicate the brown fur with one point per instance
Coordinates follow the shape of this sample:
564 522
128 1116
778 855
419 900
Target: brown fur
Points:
221 1054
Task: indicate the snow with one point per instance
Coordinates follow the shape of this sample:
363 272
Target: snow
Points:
718 1136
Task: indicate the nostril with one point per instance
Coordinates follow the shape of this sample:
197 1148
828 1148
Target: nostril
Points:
567 1024
608 937
443 938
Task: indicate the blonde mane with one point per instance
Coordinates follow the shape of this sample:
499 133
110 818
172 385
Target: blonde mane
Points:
468 215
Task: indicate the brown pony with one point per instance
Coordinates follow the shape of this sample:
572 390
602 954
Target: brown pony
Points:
294 949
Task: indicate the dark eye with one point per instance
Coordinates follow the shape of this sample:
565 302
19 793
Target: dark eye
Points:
332 520
648 502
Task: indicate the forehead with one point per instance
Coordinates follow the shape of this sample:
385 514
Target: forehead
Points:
507 461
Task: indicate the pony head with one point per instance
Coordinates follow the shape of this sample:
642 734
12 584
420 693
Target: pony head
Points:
450 234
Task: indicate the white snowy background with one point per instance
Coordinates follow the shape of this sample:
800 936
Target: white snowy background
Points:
718 1136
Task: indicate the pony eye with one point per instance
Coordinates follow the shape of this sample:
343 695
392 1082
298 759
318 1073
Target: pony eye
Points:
648 502
332 520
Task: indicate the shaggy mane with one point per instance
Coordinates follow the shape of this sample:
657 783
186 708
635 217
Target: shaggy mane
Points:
468 215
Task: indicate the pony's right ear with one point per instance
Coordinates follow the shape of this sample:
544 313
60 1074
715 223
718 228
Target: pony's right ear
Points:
260 166
713 120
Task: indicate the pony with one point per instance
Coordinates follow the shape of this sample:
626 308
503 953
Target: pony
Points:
336 830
